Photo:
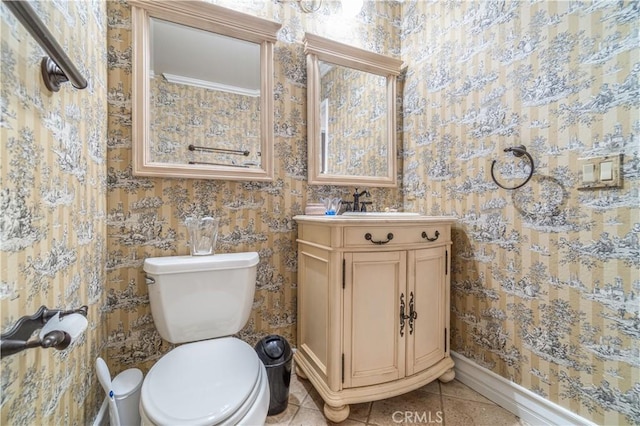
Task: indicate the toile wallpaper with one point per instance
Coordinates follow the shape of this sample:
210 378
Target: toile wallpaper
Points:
545 282
53 237
145 215
183 115
545 279
356 103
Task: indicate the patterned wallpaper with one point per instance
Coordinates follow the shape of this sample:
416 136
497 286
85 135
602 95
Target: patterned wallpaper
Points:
145 215
53 208
546 278
357 115
182 115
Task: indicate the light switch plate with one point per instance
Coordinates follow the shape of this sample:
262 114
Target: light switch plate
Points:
600 172
588 173
606 171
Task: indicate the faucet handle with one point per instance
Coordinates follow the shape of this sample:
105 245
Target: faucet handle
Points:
363 205
348 206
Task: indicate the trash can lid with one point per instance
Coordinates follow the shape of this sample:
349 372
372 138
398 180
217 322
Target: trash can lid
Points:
273 350
126 383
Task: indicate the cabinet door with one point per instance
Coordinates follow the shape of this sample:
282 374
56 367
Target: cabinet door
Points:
374 350
427 290
314 276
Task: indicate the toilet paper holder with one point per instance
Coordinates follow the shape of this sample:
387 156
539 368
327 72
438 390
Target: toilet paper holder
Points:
16 339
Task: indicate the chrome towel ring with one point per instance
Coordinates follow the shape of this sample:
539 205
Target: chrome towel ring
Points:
518 151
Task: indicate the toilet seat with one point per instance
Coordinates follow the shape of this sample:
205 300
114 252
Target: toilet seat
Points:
204 383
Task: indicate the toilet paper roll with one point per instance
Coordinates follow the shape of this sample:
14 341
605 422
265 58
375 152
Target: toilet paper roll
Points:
73 324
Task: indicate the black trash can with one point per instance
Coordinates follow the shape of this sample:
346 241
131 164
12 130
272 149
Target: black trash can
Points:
275 353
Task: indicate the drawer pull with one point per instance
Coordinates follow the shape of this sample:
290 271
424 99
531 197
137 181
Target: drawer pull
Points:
424 235
367 237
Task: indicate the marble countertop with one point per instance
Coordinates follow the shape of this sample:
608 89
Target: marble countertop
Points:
374 218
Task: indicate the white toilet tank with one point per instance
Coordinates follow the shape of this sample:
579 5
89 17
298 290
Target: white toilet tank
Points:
201 297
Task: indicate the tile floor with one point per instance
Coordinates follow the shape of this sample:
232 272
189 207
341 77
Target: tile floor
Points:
450 404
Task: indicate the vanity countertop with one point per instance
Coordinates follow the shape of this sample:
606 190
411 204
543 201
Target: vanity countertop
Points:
381 218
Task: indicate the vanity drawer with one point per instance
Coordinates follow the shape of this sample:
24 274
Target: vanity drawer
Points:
378 235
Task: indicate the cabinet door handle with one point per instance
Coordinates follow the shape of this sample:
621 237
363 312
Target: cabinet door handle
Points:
413 315
403 317
368 237
425 236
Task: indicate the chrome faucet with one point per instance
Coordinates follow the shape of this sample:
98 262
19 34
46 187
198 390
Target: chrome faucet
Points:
357 205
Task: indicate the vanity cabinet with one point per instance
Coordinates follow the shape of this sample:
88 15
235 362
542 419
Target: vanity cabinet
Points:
373 306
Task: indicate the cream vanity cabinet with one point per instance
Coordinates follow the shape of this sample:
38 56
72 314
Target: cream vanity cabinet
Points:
373 306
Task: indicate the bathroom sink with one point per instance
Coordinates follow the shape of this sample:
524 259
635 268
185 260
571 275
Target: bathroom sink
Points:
380 214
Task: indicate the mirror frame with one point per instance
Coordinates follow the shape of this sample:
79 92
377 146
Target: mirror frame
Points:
322 49
215 19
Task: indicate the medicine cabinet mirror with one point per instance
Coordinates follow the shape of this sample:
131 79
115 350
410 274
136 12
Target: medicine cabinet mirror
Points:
351 101
202 91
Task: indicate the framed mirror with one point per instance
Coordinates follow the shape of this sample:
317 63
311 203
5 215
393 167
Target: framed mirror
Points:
202 91
351 103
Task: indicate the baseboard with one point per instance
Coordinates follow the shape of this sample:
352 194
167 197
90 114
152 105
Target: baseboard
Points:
525 404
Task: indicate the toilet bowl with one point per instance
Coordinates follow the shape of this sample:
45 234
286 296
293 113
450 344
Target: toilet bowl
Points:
185 388
216 381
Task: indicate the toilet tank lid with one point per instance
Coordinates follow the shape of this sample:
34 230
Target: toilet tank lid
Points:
179 264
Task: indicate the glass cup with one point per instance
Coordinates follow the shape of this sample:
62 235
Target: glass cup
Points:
331 205
203 235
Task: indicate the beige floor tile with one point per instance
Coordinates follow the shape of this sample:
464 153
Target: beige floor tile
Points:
298 390
348 422
462 412
360 412
357 412
417 407
433 387
462 407
285 417
313 400
310 417
459 390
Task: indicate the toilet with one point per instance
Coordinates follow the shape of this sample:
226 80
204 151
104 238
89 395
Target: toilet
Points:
212 378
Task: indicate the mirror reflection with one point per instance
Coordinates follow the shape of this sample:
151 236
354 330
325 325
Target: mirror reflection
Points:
202 91
203 110
351 105
353 122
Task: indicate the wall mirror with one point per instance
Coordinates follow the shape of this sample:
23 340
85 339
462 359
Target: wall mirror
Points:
202 91
351 102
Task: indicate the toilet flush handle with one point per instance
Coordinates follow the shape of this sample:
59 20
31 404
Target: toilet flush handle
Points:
149 280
